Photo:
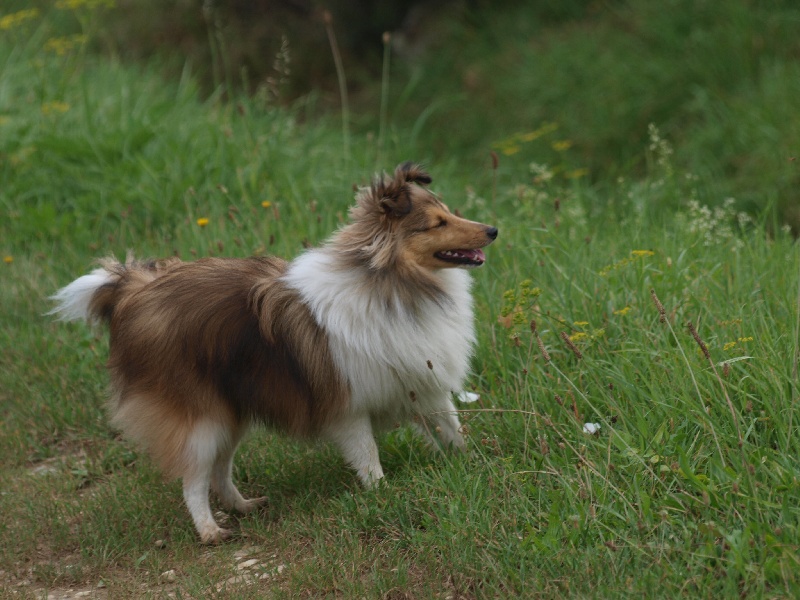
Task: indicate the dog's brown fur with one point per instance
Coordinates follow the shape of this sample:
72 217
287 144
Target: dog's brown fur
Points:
208 339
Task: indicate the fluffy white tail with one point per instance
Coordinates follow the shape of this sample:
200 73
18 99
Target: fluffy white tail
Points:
73 301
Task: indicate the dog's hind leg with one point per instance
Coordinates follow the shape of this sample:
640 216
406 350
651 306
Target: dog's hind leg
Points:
202 449
355 440
222 479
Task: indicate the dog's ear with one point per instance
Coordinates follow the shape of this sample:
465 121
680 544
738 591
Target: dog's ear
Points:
393 195
410 171
394 200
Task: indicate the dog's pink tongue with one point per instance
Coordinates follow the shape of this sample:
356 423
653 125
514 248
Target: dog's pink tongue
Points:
476 255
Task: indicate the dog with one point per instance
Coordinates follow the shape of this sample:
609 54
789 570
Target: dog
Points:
371 329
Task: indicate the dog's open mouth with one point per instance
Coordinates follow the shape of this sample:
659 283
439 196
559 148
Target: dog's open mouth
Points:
470 258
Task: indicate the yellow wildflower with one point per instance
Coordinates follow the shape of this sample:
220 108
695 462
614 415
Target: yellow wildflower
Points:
202 221
746 339
543 130
576 173
581 323
623 311
642 253
562 145
8 259
617 265
729 346
62 45
54 107
90 4
578 336
15 19
266 204
511 145
731 322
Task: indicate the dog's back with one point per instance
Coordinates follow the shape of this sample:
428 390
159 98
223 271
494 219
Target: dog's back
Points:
93 297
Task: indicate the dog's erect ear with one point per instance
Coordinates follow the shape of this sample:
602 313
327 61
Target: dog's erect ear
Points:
409 171
393 195
394 200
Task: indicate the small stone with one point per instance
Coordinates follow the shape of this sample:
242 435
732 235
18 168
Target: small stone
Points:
160 544
591 428
170 575
247 564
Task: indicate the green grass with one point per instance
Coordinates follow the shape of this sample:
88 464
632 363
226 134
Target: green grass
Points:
663 502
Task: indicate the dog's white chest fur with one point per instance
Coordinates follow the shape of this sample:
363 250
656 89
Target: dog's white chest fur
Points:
391 358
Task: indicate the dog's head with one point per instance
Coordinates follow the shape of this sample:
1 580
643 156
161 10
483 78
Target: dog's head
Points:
397 221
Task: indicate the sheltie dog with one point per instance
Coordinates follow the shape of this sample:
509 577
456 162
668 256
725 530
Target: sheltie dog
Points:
371 329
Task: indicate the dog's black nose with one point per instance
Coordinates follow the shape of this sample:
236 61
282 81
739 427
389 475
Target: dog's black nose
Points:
492 232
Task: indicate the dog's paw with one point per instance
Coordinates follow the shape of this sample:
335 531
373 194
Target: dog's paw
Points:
251 504
215 536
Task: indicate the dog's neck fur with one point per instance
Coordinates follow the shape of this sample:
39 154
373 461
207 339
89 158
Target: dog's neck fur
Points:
397 289
400 286
376 330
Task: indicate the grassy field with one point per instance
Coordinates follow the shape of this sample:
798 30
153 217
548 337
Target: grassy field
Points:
689 488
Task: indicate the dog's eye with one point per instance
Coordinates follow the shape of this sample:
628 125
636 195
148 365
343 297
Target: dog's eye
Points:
441 223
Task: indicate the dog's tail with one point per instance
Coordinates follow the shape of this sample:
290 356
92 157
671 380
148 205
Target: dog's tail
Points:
94 297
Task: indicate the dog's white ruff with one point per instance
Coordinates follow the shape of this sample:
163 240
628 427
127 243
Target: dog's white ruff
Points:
399 363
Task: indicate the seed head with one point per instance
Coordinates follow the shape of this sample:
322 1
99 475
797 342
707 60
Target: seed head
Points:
542 349
699 341
570 344
661 310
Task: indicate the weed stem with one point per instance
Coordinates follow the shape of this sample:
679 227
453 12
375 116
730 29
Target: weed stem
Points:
387 47
337 61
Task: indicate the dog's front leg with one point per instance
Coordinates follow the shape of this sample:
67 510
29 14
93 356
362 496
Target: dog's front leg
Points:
353 435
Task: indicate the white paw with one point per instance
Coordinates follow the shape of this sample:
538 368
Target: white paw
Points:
251 504
215 535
